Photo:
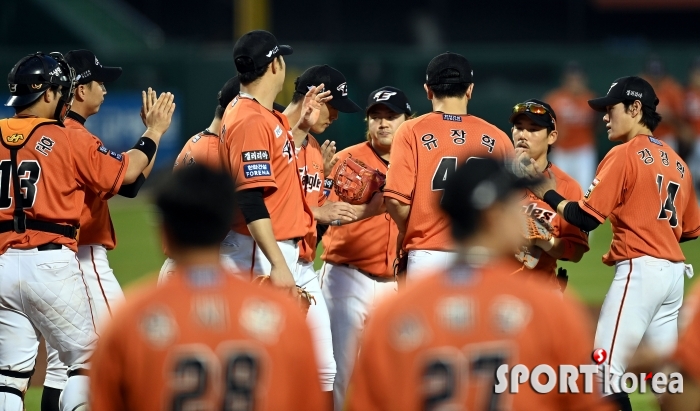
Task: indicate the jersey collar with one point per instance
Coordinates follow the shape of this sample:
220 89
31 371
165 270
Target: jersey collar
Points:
77 117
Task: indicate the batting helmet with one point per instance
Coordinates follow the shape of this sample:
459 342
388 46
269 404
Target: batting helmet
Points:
36 73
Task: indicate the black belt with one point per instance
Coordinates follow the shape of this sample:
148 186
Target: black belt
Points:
377 278
49 247
19 225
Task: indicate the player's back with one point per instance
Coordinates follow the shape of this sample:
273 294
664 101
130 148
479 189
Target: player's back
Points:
202 148
206 337
657 205
441 341
425 152
50 179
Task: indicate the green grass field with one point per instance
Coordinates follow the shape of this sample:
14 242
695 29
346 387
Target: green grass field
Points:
139 255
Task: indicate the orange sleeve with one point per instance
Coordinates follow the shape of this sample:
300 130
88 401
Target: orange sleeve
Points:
691 216
506 150
97 167
108 369
184 156
401 176
607 187
254 159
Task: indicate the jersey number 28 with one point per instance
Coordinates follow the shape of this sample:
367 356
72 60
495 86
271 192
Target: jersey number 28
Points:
29 172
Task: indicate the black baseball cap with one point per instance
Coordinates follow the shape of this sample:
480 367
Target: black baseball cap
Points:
332 80
624 89
391 97
88 68
475 187
544 120
256 49
195 203
435 74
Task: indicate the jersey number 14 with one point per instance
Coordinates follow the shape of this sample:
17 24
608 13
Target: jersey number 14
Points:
668 200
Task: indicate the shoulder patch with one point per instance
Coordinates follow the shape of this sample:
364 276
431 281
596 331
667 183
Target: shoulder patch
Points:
257 170
655 141
590 188
452 117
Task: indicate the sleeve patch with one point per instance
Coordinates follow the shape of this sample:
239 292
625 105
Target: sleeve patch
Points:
104 150
255 155
590 189
256 170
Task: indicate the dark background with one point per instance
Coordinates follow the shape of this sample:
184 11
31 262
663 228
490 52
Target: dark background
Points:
518 49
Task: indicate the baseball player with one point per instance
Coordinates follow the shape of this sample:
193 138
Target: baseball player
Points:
96 229
204 339
314 162
646 190
440 342
426 151
257 148
534 132
357 270
41 197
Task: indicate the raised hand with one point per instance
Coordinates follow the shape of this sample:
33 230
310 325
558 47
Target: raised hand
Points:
328 152
148 99
311 107
161 113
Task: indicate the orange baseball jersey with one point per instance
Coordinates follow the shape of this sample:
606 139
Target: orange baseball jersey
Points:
671 104
441 341
95 221
575 119
688 349
369 244
536 208
647 191
206 340
310 163
56 166
692 110
257 148
202 148
425 152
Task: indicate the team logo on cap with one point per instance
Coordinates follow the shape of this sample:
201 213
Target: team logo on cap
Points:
343 88
272 52
611 87
36 86
633 93
383 95
56 72
97 63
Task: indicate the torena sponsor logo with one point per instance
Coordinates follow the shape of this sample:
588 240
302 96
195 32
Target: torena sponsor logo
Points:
565 378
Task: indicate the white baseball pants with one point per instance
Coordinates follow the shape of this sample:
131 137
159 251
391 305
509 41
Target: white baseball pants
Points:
643 302
423 262
241 254
106 295
350 296
42 292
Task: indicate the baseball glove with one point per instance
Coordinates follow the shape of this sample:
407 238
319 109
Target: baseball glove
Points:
303 297
533 229
356 183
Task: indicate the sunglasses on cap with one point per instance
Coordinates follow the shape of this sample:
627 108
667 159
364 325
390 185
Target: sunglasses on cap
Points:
534 108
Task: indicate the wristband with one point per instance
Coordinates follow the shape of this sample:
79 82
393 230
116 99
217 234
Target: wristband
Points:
552 198
147 147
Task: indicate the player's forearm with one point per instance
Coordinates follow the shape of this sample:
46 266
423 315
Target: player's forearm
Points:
142 156
570 211
374 208
398 212
261 231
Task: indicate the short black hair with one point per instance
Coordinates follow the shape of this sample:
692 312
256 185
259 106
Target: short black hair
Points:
251 76
297 97
449 90
196 205
650 118
219 112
